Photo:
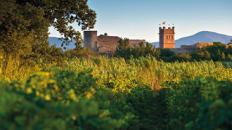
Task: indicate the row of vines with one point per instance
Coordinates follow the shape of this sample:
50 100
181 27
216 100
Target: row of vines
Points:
113 93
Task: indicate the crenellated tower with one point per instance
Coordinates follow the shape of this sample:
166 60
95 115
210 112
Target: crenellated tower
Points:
167 37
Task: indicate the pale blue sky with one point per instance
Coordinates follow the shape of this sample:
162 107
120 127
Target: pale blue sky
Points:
140 19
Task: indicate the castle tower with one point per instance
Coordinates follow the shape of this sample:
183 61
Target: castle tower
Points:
90 40
167 37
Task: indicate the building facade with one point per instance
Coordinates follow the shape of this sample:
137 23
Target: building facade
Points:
167 37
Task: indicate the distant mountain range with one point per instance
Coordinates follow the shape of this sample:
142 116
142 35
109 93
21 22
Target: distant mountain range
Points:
57 42
203 36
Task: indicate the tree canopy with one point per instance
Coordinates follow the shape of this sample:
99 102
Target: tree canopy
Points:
19 18
24 23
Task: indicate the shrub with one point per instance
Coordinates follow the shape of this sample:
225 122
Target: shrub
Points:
203 103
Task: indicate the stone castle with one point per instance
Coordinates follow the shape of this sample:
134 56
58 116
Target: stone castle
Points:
108 44
105 43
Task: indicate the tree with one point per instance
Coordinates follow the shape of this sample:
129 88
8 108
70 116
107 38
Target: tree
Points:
201 54
167 55
142 50
24 23
123 48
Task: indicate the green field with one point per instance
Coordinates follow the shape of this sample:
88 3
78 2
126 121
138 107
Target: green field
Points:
113 93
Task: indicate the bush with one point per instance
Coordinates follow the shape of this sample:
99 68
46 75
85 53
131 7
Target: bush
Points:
60 100
149 107
203 103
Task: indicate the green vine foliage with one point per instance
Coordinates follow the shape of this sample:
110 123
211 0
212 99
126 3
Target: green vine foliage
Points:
117 94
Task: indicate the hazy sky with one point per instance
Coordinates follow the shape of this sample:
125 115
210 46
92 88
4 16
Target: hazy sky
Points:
140 19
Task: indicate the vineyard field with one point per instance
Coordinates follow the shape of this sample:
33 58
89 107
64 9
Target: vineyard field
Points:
113 93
